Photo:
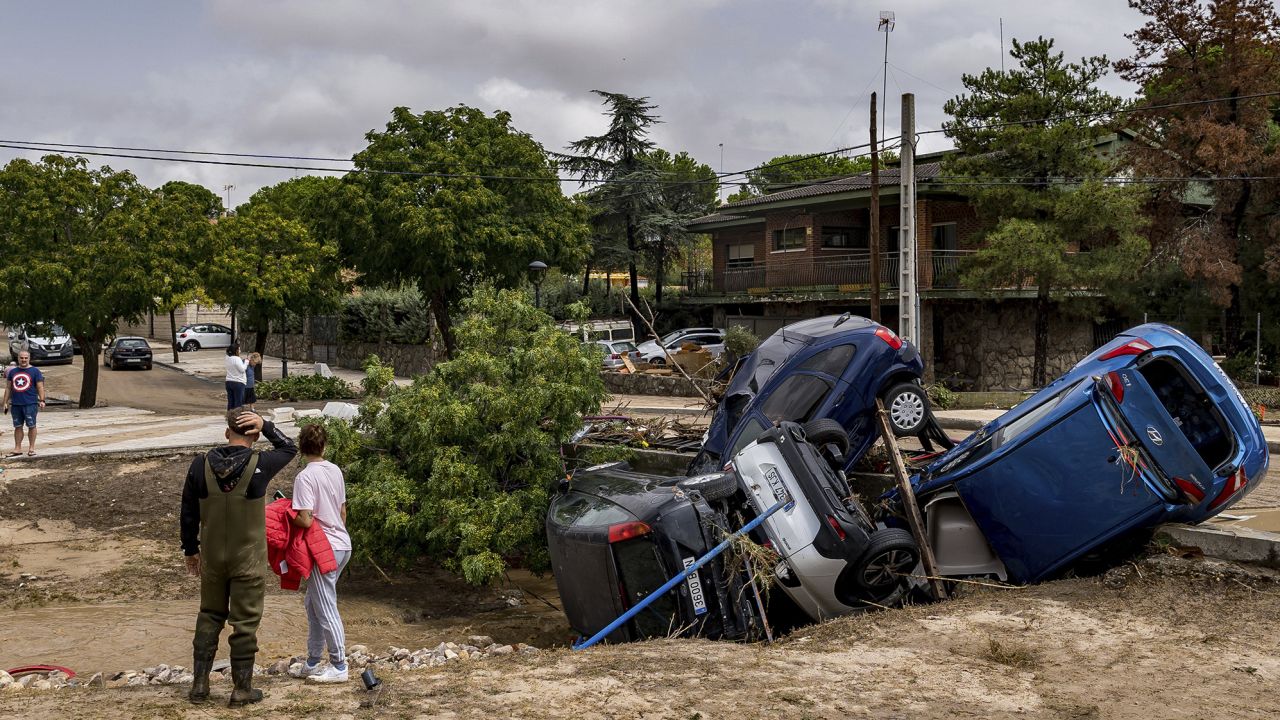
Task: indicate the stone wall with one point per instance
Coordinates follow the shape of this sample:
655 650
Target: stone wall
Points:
299 345
408 360
991 346
659 385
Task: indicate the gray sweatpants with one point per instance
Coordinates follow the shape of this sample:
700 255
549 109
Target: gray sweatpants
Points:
324 625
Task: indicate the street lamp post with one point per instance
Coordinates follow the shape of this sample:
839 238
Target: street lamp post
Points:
537 269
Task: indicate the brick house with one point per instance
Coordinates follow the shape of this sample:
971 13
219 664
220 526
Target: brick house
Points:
804 251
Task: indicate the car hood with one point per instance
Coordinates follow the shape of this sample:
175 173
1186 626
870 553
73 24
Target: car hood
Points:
49 340
649 346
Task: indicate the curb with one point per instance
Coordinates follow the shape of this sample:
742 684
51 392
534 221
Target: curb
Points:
177 368
1229 543
955 423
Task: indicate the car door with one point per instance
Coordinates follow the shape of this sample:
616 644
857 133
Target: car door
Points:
219 336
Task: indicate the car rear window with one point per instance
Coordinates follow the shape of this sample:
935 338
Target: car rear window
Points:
1191 408
796 398
582 510
641 573
131 343
831 361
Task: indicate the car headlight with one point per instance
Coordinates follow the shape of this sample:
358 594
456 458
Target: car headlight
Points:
34 345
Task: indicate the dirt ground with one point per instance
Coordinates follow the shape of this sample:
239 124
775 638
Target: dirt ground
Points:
90 577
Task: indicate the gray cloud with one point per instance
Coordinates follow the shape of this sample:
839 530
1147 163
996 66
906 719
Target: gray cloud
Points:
310 78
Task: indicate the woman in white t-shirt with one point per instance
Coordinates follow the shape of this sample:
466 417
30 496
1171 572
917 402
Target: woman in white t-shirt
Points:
320 496
236 376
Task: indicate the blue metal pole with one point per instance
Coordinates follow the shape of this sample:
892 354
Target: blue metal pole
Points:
666 587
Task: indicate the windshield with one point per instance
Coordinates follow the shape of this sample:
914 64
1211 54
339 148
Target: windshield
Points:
670 337
766 360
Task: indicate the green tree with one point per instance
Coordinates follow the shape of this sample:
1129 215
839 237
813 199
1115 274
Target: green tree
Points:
793 169
686 189
492 205
88 248
188 230
265 265
459 466
616 159
1227 240
1026 138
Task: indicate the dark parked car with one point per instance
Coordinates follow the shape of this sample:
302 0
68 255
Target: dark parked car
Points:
616 535
829 367
127 352
1146 430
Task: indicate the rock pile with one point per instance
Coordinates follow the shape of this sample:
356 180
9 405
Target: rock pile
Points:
477 647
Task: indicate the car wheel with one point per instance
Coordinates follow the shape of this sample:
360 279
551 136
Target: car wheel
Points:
891 554
658 361
105 362
190 346
825 431
908 408
147 366
714 486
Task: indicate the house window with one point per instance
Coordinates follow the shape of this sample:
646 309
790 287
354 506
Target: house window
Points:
741 256
789 239
944 237
844 237
891 235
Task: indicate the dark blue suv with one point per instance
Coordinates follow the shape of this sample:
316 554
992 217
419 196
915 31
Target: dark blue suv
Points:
829 367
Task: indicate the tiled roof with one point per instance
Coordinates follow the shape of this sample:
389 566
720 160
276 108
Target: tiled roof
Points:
717 217
888 176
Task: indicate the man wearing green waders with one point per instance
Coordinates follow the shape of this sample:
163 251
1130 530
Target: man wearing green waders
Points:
224 537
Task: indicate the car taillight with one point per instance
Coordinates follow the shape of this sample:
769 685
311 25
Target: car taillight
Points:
1234 485
1116 385
889 337
182 335
835 525
1133 347
627 531
614 356
1188 488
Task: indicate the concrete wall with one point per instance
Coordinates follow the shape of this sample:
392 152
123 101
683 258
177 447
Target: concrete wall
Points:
408 360
157 326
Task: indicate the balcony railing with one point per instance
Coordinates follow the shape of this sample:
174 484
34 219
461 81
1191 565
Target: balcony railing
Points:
844 273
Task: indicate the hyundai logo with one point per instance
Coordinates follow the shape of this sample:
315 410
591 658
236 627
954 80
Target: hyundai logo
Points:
1154 434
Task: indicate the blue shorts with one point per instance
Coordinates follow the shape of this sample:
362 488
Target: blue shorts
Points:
24 414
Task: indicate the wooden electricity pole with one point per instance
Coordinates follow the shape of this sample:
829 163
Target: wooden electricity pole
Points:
873 241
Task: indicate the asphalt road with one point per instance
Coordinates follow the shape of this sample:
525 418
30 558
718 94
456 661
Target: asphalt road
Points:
160 389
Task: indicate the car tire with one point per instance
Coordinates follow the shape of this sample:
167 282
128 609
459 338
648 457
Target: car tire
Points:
658 361
190 346
890 554
714 486
111 365
907 405
824 431
147 366
105 362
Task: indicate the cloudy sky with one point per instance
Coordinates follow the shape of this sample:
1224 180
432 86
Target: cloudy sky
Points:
310 77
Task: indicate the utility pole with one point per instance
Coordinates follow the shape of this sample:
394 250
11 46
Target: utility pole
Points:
908 298
874 231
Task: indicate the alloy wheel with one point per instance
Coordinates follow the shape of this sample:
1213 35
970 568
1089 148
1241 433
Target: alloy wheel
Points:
887 568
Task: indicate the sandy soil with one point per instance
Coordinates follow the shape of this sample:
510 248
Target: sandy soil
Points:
1167 636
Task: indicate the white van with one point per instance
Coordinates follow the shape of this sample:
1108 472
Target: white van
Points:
609 330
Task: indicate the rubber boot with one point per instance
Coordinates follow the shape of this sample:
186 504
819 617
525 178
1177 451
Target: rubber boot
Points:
201 666
243 692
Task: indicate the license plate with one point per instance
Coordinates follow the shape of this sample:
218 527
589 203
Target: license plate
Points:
695 589
134 360
780 493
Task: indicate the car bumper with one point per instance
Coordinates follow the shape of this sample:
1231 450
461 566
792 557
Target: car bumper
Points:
64 354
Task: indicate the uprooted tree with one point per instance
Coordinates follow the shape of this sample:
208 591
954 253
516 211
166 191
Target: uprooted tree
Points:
459 466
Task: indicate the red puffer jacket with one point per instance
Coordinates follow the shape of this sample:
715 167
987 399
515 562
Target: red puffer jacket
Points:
295 552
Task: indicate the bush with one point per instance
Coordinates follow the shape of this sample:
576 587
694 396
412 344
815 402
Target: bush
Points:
941 397
460 465
1239 367
305 387
739 342
386 315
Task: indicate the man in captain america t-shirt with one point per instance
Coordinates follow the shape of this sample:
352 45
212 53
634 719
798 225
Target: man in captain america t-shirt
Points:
23 396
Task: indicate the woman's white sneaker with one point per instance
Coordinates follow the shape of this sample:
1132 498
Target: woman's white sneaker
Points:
329 674
304 669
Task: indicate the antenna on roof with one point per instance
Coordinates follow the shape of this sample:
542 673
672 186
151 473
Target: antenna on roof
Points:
1001 44
886 26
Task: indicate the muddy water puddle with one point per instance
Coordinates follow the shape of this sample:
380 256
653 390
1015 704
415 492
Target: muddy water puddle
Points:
113 636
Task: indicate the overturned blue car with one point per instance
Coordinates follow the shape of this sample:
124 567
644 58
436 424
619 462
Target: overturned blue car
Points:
1145 430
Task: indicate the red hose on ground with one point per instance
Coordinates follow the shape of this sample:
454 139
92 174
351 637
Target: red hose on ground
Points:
41 670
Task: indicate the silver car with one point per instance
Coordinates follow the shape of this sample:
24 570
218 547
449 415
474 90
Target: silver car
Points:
614 350
709 339
202 335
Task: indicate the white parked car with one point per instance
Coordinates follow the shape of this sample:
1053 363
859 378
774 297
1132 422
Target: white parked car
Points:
708 338
203 335
614 350
47 343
